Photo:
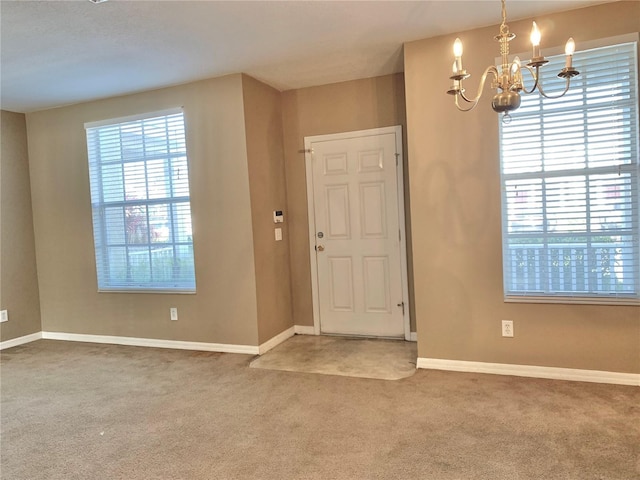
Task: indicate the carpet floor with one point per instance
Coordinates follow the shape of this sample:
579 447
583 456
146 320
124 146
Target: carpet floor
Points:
88 411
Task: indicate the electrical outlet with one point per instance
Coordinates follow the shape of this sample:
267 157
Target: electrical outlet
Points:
507 328
174 313
4 316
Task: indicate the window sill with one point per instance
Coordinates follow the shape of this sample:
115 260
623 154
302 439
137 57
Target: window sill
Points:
617 301
164 292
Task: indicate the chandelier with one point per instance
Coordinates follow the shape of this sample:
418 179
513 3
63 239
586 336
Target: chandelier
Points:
507 80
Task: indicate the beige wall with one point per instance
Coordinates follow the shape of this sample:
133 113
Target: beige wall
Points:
234 141
341 107
224 310
455 209
263 123
18 275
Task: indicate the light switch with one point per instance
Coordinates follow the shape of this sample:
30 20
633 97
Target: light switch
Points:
278 234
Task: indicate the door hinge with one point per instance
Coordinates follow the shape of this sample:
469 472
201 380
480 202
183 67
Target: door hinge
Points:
401 304
397 157
399 235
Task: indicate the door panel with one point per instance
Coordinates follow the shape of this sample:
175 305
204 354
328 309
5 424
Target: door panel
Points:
335 164
371 161
376 285
359 274
341 283
372 213
338 221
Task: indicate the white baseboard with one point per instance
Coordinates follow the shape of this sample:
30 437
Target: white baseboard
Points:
152 342
554 373
277 340
14 342
304 330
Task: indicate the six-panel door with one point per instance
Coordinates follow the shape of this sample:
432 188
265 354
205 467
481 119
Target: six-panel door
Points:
357 236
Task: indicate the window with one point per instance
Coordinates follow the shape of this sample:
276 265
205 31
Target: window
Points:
570 184
140 198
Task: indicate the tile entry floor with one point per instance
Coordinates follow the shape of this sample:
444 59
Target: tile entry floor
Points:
346 356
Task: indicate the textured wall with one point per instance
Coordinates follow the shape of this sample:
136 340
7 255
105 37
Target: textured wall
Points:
224 309
263 123
340 107
18 275
455 211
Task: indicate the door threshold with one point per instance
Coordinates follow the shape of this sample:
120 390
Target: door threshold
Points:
354 336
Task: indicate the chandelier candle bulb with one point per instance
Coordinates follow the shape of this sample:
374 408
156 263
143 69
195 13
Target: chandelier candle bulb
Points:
517 72
535 40
569 49
457 52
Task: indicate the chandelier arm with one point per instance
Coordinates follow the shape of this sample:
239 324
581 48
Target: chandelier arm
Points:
491 69
462 109
553 97
464 97
534 74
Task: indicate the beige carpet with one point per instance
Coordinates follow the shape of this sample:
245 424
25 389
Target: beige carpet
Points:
350 357
73 411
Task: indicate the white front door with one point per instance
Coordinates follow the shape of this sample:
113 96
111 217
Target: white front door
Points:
357 232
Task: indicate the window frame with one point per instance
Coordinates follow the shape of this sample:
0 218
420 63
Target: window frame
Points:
563 297
106 282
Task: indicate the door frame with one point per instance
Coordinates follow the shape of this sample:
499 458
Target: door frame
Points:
308 158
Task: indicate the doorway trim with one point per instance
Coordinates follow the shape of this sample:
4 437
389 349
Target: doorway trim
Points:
308 158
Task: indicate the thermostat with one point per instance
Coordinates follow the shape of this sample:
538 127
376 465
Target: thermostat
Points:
277 216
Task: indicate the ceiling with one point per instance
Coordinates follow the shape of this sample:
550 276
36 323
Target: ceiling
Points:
63 52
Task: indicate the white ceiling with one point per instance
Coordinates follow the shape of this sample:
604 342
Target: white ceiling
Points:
63 52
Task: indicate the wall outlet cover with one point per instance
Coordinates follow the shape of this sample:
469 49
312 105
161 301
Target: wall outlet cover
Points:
507 328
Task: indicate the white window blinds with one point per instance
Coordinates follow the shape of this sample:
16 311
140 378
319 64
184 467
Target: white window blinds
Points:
141 208
570 183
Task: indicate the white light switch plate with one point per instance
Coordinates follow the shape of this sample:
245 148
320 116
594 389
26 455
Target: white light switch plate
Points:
174 313
278 234
4 316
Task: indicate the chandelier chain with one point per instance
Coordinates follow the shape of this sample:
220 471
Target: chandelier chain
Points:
504 28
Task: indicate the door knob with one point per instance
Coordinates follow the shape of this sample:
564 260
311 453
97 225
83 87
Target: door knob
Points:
320 248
